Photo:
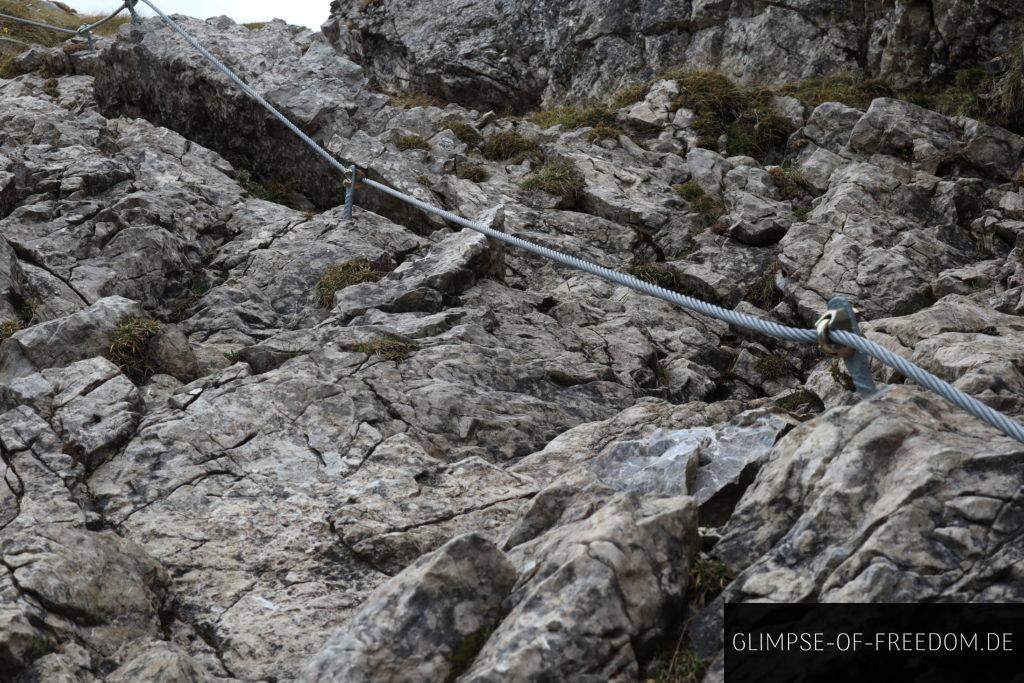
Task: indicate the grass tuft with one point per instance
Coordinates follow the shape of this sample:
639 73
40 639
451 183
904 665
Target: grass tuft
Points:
510 145
707 206
474 172
598 133
340 276
9 328
412 100
851 90
387 348
407 142
762 293
630 95
129 347
654 273
464 132
575 117
560 178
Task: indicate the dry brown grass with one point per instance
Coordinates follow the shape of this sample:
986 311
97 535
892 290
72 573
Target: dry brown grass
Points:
37 11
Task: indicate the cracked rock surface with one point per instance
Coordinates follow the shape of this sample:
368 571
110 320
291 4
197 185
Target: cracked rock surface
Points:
380 448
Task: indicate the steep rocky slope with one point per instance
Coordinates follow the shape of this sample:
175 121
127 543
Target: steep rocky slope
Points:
515 53
250 439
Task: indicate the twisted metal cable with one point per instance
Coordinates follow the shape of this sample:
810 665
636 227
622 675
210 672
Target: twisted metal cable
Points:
85 29
735 318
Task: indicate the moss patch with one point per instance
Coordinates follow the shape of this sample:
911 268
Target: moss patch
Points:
575 117
474 172
511 146
466 653
387 348
340 276
129 347
560 178
770 366
707 206
255 25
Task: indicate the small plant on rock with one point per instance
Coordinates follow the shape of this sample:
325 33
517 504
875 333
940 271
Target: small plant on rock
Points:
707 206
574 117
464 132
340 276
8 328
630 95
129 347
407 142
655 273
770 366
474 172
560 178
511 146
412 100
1018 179
387 348
851 90
598 133
791 182
50 87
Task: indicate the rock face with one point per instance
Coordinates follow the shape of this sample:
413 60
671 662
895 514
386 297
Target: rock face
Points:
907 502
516 53
380 448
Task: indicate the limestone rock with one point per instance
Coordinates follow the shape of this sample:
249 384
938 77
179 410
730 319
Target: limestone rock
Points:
422 624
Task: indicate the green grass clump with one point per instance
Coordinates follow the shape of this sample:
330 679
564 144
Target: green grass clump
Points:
464 132
707 206
8 328
50 87
407 142
574 117
791 182
340 276
745 115
630 95
511 146
129 347
655 273
387 348
560 178
851 90
598 133
762 293
474 172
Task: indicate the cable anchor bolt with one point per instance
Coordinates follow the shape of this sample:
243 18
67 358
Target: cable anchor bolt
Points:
842 317
351 184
